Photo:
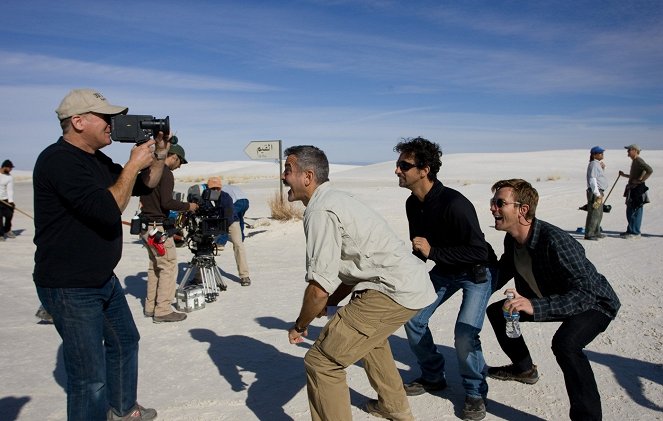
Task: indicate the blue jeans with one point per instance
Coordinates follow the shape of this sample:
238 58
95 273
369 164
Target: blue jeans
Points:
471 364
100 348
240 207
634 218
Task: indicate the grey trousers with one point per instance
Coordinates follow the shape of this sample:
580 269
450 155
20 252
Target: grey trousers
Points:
594 217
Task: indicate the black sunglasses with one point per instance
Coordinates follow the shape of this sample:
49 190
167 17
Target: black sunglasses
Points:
500 203
404 165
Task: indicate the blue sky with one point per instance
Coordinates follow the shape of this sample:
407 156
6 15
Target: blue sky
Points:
352 77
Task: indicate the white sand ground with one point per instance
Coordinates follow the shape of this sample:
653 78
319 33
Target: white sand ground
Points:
232 360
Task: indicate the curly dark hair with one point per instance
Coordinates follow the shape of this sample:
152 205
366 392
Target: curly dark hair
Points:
425 154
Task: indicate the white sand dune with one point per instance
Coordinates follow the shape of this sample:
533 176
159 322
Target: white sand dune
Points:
232 360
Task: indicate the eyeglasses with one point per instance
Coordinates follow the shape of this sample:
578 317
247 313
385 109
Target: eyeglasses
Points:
500 203
405 166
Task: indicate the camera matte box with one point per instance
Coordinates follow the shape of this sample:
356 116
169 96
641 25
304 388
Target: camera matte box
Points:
190 298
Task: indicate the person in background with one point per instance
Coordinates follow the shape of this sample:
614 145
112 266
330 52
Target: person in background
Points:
554 282
350 248
596 186
6 200
240 203
444 228
636 191
234 231
79 197
162 269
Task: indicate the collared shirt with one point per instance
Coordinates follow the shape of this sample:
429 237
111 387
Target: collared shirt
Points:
235 192
569 283
348 242
596 180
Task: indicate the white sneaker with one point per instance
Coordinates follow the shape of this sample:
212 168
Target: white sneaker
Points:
10 234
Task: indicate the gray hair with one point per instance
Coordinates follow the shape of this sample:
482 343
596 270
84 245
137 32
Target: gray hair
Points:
310 158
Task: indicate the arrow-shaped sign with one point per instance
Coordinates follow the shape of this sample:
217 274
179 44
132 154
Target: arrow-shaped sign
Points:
263 149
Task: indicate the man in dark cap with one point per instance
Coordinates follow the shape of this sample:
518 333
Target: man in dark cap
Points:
162 270
636 191
79 196
6 200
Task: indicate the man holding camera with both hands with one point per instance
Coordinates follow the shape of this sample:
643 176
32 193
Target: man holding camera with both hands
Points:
79 196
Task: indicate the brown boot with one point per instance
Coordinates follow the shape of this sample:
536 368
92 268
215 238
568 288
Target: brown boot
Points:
170 317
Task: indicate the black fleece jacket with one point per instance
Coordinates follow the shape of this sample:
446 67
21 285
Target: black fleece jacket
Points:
449 222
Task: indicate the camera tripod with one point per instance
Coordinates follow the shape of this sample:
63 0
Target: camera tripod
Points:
210 276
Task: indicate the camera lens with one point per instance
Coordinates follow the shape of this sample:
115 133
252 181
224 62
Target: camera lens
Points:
157 125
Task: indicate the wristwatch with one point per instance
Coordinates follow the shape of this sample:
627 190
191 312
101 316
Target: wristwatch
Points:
298 329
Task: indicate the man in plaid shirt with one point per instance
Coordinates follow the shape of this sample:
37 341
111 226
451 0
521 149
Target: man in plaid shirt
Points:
554 281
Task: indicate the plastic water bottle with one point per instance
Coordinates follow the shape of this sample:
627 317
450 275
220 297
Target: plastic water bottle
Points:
512 319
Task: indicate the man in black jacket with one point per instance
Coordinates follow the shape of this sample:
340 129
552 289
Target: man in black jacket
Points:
444 228
79 196
162 269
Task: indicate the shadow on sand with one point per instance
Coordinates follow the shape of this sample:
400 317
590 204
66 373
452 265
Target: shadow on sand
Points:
629 374
272 367
10 407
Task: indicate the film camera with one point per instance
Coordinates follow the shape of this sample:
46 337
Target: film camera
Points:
202 227
138 128
207 223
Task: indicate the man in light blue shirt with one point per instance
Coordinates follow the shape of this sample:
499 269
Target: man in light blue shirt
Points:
596 185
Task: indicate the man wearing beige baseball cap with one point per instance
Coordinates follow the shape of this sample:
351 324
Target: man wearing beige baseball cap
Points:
636 191
79 197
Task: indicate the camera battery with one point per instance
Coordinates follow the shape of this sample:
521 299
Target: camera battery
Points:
190 298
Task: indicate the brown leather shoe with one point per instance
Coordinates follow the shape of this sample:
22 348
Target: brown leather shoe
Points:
170 317
420 386
372 406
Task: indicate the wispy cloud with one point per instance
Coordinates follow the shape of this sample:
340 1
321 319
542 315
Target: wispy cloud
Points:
351 76
20 68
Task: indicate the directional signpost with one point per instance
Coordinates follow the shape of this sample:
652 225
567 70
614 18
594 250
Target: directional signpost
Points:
264 149
267 149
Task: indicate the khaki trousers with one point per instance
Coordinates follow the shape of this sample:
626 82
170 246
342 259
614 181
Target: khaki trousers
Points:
161 278
235 234
359 331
